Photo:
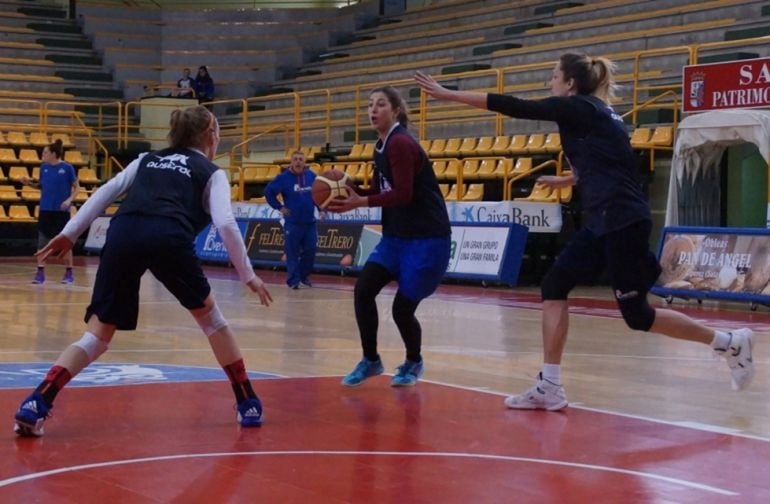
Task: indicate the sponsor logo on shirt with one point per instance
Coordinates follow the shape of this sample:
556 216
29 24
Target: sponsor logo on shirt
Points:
175 162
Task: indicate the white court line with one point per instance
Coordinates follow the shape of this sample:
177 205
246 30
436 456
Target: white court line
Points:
683 424
675 481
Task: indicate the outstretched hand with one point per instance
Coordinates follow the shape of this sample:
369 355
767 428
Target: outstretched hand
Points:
429 85
57 247
257 285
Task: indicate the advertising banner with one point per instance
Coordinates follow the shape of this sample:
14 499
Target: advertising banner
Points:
715 262
537 217
97 233
209 245
727 85
477 250
482 251
337 242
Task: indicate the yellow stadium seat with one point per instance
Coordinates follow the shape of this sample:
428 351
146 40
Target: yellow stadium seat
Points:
663 136
82 196
452 147
17 138
452 167
29 156
437 148
475 192
254 174
355 153
640 137
425 144
523 165
17 173
110 210
485 147
536 143
8 156
552 143
3 216
39 139
468 147
88 176
439 167
488 168
471 169
20 213
540 193
75 158
30 193
368 153
8 193
501 145
518 145
352 170
455 193
444 188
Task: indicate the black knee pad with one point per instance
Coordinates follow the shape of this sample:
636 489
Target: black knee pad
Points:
637 312
403 309
556 285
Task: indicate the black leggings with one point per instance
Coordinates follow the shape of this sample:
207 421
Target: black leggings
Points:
373 278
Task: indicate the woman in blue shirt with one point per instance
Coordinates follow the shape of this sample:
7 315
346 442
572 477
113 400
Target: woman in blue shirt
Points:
58 188
617 226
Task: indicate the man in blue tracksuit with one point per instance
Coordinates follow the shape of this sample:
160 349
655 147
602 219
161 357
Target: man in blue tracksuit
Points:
299 230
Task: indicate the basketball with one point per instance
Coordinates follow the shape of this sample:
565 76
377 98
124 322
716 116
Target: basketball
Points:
329 185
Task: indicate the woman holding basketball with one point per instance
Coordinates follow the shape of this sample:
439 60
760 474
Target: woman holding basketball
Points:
617 221
415 245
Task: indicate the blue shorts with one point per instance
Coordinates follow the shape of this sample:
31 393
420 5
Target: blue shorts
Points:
418 264
134 245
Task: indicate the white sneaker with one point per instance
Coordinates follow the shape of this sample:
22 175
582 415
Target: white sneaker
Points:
544 395
738 357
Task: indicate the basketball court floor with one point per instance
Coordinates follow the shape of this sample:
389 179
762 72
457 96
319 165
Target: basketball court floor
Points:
650 419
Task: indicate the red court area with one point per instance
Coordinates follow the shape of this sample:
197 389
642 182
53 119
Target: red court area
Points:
323 443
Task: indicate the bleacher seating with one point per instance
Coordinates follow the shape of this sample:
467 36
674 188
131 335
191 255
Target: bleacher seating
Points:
436 38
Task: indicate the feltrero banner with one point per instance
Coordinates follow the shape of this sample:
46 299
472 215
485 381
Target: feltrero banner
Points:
731 263
728 85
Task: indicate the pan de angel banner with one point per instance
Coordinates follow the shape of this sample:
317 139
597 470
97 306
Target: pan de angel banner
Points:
716 261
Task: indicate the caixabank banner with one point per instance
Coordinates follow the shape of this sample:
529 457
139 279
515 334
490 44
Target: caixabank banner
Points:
728 85
729 263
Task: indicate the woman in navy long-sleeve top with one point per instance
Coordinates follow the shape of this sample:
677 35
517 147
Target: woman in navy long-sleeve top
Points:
617 226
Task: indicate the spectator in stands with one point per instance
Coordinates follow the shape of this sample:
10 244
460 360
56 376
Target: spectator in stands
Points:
185 86
204 85
58 188
299 229
416 238
617 226
170 196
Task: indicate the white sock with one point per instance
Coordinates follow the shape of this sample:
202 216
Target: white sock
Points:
721 340
552 373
